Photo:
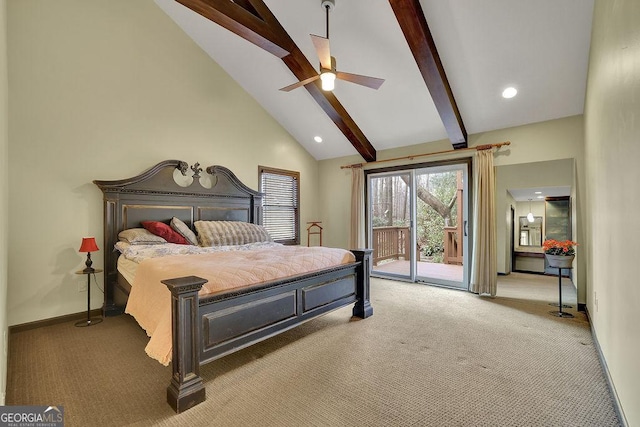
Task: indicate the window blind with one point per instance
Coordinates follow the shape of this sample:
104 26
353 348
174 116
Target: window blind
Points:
280 210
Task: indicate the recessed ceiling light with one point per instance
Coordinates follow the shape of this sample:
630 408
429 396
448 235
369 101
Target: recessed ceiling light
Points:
509 92
317 139
538 192
540 197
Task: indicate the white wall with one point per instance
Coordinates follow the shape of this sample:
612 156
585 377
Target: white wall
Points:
4 198
104 90
612 200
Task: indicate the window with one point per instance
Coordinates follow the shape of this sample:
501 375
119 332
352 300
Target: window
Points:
280 205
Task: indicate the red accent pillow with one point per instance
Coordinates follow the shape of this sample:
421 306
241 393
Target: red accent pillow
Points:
165 231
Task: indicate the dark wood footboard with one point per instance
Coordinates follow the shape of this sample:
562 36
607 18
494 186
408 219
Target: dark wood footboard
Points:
209 328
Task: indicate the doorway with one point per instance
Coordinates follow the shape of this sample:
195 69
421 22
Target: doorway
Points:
417 222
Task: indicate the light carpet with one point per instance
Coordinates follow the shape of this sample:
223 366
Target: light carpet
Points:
427 357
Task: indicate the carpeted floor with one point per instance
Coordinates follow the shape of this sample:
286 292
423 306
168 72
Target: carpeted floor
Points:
428 357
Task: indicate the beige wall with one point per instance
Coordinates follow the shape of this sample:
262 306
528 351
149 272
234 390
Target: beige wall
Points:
104 90
612 147
4 198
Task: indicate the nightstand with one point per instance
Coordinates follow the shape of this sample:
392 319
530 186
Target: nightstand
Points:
89 321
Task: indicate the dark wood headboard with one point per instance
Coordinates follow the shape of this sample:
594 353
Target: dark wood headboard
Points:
154 195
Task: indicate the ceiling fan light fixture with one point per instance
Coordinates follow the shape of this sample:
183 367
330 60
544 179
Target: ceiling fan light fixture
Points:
328 73
328 80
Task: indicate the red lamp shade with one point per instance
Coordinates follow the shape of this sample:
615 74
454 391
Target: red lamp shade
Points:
88 245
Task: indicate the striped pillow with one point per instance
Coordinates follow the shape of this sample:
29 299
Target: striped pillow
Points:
223 233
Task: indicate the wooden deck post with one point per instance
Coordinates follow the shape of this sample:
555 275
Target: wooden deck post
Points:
363 308
186 388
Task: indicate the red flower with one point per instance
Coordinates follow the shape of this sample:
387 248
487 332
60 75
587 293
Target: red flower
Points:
555 247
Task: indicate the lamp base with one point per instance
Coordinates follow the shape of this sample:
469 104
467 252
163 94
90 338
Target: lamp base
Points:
91 321
561 314
555 304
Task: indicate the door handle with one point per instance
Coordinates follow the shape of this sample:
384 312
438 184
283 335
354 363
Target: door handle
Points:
466 228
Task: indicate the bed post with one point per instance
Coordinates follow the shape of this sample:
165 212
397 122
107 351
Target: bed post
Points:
186 388
363 308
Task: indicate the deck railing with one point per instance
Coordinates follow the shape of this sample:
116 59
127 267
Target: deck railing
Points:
394 243
452 246
391 243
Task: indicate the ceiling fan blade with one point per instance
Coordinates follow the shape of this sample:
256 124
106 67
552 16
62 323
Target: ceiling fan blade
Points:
322 49
300 83
372 82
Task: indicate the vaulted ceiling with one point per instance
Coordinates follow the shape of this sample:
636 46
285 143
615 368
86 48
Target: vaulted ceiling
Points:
445 65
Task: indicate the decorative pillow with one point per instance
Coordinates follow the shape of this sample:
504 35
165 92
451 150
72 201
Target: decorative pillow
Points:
166 232
222 233
140 236
182 229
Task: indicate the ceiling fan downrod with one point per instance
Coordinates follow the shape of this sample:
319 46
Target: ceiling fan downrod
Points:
328 5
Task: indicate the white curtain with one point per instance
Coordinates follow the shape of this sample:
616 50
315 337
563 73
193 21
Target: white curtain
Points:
356 239
484 270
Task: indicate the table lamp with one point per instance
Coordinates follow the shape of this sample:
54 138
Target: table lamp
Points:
88 245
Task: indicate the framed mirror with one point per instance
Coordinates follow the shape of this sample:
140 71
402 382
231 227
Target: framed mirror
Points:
530 232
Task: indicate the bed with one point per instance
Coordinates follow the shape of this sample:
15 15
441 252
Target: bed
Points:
207 326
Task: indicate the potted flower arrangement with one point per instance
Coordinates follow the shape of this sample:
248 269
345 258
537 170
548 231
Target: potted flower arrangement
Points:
559 254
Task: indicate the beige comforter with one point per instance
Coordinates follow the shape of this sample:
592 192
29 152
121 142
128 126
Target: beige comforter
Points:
150 300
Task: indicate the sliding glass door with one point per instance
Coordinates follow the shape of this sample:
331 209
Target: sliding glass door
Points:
418 224
390 231
442 225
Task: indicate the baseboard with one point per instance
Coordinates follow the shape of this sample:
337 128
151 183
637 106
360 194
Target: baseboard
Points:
53 321
530 272
612 389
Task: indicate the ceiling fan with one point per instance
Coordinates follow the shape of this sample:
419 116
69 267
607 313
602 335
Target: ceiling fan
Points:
328 73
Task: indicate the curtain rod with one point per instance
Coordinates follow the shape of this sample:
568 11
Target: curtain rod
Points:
478 148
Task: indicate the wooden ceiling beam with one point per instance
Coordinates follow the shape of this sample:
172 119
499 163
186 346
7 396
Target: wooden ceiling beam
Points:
244 19
414 26
253 21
